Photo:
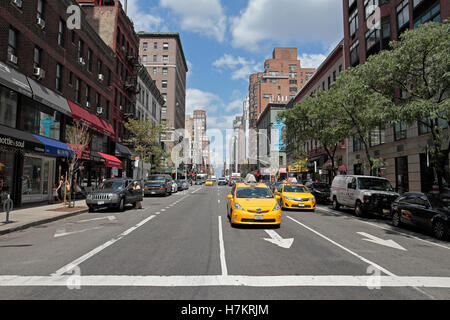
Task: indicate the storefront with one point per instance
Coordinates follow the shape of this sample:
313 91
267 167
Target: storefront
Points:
124 154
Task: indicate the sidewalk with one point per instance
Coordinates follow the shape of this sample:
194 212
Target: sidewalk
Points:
24 218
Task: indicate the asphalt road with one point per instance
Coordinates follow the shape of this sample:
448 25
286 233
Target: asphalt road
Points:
183 247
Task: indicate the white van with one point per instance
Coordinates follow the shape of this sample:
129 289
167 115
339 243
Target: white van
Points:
363 193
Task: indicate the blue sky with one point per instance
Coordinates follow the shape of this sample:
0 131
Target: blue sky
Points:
226 40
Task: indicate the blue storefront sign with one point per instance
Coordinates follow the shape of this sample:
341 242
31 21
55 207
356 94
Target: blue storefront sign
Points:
47 123
56 148
279 125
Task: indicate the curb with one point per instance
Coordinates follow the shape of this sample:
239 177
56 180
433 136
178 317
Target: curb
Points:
39 222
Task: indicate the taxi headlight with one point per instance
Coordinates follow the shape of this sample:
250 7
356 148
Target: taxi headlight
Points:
291 198
277 207
237 206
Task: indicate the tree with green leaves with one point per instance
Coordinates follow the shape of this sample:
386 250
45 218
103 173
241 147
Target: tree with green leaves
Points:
145 138
415 76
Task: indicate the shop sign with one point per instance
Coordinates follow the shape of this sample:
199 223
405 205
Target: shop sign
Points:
47 123
11 142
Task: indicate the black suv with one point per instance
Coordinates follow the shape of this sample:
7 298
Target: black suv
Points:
158 184
114 193
321 191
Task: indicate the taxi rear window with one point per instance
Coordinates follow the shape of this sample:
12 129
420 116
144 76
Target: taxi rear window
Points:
253 193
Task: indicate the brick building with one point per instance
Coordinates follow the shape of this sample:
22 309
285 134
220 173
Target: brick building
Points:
403 147
282 78
50 76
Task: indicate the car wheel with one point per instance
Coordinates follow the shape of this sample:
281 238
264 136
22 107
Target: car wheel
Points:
359 212
440 230
122 205
396 220
336 205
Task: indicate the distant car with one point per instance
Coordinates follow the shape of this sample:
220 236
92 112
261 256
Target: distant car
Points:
222 182
234 180
429 212
209 183
158 184
116 194
321 191
182 185
199 181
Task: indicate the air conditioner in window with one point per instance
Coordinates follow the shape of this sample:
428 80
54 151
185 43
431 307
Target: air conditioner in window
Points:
121 108
12 58
39 73
88 104
17 3
81 61
101 77
41 23
99 110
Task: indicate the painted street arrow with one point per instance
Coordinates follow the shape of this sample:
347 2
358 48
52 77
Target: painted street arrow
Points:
278 240
62 232
386 243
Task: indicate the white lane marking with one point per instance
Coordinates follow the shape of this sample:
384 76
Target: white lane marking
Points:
218 201
223 262
387 228
62 232
110 218
382 242
276 239
163 210
157 213
345 249
92 253
228 281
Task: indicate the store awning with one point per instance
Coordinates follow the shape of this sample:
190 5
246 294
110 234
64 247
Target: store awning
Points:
111 161
91 120
10 137
14 80
82 153
122 151
56 148
49 98
283 170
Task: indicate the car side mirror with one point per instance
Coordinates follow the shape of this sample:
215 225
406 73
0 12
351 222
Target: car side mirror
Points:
229 197
278 198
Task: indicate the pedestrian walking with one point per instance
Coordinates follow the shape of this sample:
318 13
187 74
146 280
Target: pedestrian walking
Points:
136 186
60 189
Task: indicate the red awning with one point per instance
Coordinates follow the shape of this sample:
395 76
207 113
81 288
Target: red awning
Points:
84 116
111 161
82 153
283 170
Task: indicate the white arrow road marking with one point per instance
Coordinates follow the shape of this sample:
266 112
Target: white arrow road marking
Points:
62 232
110 218
278 240
386 243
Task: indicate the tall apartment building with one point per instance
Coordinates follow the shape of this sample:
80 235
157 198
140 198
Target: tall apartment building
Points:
282 78
162 54
51 76
116 29
403 146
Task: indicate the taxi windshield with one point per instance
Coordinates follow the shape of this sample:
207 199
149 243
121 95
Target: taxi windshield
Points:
254 193
295 189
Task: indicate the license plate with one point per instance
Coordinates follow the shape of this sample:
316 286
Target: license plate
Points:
301 205
386 211
100 203
259 217
153 192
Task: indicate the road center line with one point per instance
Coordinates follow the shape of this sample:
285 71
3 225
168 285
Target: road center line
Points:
223 262
92 253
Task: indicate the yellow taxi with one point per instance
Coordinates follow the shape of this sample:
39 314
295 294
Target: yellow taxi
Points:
252 203
209 183
296 196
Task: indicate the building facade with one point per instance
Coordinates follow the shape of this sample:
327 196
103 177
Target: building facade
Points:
282 78
403 147
50 77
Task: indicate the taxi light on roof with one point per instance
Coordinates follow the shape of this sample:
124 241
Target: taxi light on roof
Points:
249 179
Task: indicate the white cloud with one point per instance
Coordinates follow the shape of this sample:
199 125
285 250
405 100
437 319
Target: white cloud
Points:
143 21
241 68
198 99
311 60
287 20
205 17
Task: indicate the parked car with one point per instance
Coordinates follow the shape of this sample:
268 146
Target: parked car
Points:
363 193
321 191
182 184
114 193
174 187
158 184
222 182
429 212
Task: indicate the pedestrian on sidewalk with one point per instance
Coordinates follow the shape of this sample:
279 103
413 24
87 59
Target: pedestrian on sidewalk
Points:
136 186
60 189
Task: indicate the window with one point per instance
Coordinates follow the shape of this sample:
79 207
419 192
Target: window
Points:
432 14
165 46
372 41
58 77
12 42
340 68
385 33
425 129
377 137
400 131
108 80
165 71
155 58
89 60
41 120
402 14
107 109
8 107
329 83
165 58
292 81
353 22
164 83
37 57
293 74
88 94
144 59
71 78
61 30
98 100
145 46
292 67
267 96
369 7
99 66
155 71
274 81
155 45
334 76
354 53
80 49
294 90
40 9
358 145
118 36
154 109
